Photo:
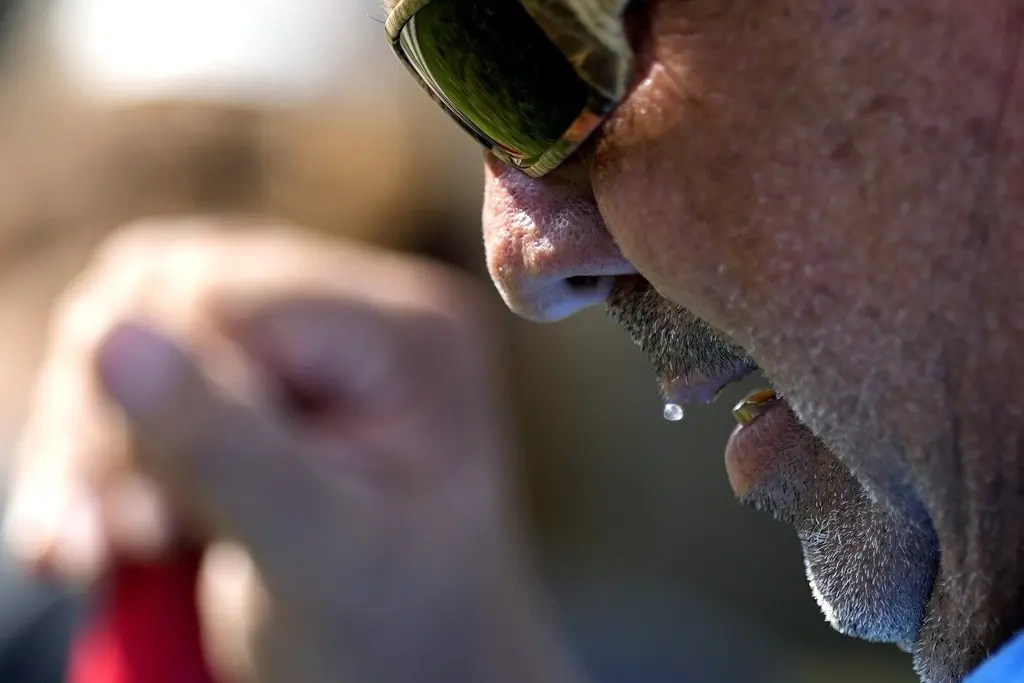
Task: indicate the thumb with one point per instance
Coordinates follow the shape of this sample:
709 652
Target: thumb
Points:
238 469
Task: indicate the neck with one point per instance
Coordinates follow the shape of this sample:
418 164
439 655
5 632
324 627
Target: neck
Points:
975 495
978 602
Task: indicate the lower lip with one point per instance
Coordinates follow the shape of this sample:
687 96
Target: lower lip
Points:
753 449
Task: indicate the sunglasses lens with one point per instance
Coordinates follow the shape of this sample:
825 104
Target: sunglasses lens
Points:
497 71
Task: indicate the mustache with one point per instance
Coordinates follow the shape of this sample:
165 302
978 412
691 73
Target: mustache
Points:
677 342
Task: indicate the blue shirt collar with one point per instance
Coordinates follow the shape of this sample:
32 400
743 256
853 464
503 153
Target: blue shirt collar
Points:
1005 666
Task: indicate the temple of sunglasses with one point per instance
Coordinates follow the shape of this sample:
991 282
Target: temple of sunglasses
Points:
531 80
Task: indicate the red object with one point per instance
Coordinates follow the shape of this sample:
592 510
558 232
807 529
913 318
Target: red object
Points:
145 629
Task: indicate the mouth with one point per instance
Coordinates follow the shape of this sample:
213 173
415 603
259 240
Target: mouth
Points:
693 362
870 571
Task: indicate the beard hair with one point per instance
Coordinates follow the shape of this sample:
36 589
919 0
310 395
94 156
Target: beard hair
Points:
677 343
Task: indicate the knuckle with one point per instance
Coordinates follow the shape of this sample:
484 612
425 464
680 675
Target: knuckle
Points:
137 267
148 241
74 317
116 266
134 240
83 312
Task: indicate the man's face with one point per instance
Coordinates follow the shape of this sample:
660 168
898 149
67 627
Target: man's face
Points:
827 183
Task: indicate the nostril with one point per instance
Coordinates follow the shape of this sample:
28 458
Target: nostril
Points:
558 298
583 282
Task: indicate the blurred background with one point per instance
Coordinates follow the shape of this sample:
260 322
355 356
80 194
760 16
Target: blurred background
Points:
117 109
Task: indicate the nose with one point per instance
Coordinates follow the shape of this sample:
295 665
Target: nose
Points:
548 251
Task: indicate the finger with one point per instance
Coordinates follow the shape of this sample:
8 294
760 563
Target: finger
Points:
69 513
250 632
75 500
54 521
233 607
323 352
51 521
136 517
235 468
55 531
72 454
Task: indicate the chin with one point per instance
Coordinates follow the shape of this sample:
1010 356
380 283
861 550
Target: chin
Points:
871 566
874 620
871 569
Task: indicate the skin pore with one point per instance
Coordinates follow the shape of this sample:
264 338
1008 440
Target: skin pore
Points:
836 187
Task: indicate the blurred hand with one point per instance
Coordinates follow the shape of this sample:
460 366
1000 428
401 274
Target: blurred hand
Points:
322 418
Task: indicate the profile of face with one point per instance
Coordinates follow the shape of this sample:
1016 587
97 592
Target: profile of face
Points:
831 190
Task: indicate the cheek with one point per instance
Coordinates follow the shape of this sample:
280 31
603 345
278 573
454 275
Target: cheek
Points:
779 156
648 218
679 176
804 179
691 172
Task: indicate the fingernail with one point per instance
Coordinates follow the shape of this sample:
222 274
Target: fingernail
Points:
79 550
140 368
137 518
30 526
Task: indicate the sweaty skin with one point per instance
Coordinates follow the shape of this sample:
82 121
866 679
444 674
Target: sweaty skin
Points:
836 187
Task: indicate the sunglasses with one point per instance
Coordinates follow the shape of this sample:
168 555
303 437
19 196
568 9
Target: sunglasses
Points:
530 80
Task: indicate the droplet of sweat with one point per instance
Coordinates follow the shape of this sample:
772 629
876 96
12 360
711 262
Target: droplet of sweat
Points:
673 412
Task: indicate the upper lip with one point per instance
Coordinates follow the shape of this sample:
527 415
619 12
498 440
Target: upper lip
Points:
696 389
